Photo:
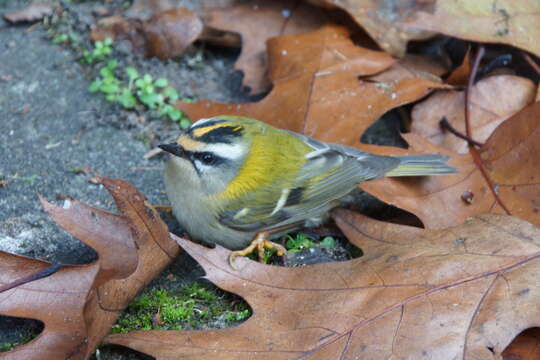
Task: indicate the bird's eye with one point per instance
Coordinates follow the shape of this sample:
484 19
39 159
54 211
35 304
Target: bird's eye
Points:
206 158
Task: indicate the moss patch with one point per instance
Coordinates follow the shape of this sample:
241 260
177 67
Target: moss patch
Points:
8 346
193 307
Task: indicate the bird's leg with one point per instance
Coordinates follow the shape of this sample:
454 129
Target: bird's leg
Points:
261 242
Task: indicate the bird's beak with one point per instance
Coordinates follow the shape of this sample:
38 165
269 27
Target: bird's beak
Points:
173 148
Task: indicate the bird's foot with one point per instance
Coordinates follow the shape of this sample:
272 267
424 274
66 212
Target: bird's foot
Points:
260 243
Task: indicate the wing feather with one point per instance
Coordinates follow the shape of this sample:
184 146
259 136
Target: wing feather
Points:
330 172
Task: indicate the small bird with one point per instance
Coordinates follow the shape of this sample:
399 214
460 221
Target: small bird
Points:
235 180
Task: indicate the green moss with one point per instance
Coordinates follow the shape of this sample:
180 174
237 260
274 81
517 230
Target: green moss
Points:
189 308
8 346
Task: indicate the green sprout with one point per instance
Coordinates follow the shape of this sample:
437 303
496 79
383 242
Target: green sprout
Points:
60 38
298 243
100 52
154 94
328 242
301 242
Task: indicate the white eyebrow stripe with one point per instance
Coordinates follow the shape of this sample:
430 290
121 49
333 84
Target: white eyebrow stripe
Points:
282 200
227 151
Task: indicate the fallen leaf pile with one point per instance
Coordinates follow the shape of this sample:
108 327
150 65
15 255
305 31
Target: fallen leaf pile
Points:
317 90
393 23
464 286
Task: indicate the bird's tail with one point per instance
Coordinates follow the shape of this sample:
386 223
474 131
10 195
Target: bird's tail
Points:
421 165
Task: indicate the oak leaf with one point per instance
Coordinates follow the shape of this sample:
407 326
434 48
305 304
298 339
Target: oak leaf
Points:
164 35
525 347
79 303
490 104
393 23
258 21
463 292
317 90
511 163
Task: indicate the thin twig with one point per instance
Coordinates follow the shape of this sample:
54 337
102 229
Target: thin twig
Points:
32 277
470 84
445 125
472 150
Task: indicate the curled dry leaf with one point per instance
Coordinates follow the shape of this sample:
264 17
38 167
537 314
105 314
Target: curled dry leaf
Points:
511 162
170 32
492 101
34 12
440 294
460 75
164 35
393 23
79 304
317 90
525 347
145 9
256 22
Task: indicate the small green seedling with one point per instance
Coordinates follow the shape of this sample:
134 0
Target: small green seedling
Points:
108 83
298 243
100 52
155 94
64 38
328 242
294 244
302 242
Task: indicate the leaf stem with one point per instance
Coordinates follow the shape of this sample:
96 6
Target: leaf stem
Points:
473 150
445 125
32 277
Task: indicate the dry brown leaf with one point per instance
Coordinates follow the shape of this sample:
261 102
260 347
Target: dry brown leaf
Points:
170 32
145 9
79 304
510 158
492 101
164 35
438 294
460 76
317 91
257 21
393 23
34 12
525 347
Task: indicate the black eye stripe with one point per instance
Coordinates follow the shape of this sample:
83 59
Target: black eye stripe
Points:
207 158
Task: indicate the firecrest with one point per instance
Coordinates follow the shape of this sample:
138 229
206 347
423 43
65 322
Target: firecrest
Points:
231 178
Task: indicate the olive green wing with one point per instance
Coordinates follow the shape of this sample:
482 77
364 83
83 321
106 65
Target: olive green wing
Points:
330 172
